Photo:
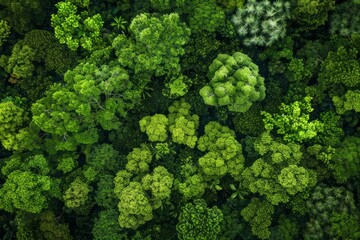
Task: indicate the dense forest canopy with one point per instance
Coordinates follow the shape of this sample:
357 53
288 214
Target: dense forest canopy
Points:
179 119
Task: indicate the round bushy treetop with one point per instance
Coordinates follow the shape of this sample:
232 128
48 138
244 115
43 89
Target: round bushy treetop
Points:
310 14
259 214
345 162
197 221
139 160
25 191
235 82
224 152
156 44
159 183
134 206
262 22
206 16
155 127
74 29
11 119
340 67
277 174
293 121
350 101
77 194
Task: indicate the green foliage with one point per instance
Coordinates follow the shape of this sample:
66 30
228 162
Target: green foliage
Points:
4 31
76 30
259 214
155 127
278 55
345 226
323 202
332 131
121 180
287 229
52 229
176 87
184 131
295 179
163 5
231 226
276 174
106 226
231 4
105 194
102 157
24 15
180 123
345 162
91 97
224 152
206 16
340 67
20 63
159 183
139 160
134 206
193 185
350 101
77 194
310 14
12 118
234 82
200 48
262 22
48 50
249 122
293 121
345 20
155 46
197 221
24 190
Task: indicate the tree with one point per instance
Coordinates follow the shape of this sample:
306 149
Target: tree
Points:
77 194
197 221
344 20
139 160
206 16
262 22
155 127
4 31
345 162
106 226
180 123
293 121
134 206
276 173
12 118
310 14
258 213
76 30
52 229
155 45
224 152
159 183
92 96
324 204
24 190
20 63
234 82
350 101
